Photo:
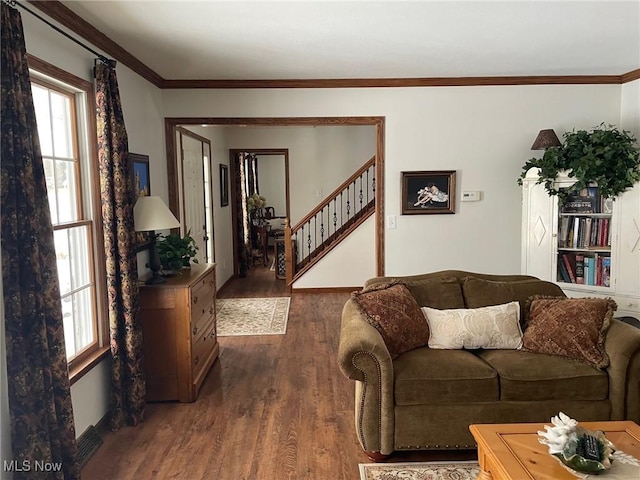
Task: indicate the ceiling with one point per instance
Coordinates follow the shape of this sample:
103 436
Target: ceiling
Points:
268 40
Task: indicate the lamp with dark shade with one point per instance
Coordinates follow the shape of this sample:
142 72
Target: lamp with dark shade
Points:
151 214
545 139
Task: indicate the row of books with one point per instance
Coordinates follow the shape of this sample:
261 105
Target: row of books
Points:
584 269
584 232
588 200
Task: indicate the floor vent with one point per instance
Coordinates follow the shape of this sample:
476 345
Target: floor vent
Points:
88 443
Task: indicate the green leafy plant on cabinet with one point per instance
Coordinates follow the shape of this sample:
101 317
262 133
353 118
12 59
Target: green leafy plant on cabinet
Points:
605 156
176 252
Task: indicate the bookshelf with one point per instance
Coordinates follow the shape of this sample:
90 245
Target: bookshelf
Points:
584 231
588 245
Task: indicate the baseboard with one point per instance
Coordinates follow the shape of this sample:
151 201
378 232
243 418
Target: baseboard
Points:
326 290
225 284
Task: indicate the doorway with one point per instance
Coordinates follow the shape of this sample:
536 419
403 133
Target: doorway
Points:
225 253
193 154
264 172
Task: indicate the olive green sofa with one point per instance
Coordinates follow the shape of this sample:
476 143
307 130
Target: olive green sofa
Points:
426 398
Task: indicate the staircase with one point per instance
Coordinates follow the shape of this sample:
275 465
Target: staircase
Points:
333 219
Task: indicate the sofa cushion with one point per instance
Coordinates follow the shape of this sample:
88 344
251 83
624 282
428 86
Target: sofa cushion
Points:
574 328
436 292
526 376
393 311
496 326
426 376
481 293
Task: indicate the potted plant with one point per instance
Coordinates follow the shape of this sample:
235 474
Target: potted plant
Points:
605 156
176 252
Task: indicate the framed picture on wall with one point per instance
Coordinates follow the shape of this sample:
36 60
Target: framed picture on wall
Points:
428 192
141 181
224 185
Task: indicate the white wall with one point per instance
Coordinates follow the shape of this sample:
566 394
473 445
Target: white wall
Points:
272 182
320 158
630 108
482 132
353 260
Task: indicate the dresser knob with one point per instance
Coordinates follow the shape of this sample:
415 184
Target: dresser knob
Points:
195 300
211 311
195 330
197 360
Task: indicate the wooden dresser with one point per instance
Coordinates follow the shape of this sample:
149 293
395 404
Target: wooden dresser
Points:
179 328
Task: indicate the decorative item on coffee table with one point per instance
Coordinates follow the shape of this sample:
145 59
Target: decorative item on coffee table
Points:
580 449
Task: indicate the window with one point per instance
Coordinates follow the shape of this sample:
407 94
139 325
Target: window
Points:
63 126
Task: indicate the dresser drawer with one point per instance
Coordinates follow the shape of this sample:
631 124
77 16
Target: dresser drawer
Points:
626 304
202 346
203 291
201 317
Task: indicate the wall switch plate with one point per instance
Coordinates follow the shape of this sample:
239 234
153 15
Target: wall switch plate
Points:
471 196
391 221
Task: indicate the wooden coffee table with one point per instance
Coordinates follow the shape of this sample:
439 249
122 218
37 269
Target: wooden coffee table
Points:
511 451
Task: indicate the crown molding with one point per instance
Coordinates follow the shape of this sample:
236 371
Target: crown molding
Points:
58 12
396 82
630 76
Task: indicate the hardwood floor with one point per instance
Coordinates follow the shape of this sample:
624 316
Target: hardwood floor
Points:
272 408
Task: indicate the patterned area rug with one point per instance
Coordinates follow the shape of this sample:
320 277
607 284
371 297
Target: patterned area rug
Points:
252 316
420 471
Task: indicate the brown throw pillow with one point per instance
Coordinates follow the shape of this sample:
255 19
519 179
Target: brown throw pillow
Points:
574 328
479 292
393 311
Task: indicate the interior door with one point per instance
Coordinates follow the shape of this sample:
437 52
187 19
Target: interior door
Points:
193 190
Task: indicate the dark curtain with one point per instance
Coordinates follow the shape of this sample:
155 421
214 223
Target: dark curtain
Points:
40 408
246 178
125 333
252 173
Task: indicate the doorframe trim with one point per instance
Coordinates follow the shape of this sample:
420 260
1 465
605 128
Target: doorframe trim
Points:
171 123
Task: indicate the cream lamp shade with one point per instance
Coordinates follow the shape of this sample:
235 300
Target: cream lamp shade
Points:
150 213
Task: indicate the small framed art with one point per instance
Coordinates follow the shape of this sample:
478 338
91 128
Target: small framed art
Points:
224 185
428 192
141 181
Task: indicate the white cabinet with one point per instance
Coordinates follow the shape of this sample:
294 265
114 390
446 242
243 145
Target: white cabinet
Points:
558 243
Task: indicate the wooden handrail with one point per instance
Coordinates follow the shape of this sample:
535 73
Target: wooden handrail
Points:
333 194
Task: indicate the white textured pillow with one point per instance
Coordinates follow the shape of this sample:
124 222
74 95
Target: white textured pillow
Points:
497 326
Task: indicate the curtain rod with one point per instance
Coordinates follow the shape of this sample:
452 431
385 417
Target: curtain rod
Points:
102 58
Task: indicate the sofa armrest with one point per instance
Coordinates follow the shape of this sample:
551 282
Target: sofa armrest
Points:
363 357
623 347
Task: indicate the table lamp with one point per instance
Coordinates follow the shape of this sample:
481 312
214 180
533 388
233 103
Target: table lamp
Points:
546 138
151 214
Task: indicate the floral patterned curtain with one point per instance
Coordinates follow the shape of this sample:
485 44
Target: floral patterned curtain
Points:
41 414
127 373
245 179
